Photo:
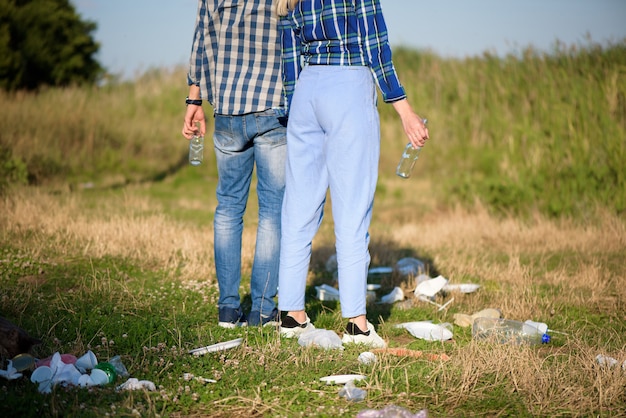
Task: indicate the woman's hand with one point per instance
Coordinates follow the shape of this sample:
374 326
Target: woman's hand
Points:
414 126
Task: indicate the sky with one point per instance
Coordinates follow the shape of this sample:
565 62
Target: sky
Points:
138 35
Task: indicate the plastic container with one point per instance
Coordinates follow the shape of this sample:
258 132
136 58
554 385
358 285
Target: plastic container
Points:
408 159
109 369
196 150
507 331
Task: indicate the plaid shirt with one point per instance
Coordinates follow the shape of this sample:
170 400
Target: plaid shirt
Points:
338 32
235 57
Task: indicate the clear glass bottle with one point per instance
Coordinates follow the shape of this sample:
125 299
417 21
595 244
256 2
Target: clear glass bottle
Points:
407 161
508 331
196 150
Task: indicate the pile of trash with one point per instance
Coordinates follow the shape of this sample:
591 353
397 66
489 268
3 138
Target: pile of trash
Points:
487 324
68 370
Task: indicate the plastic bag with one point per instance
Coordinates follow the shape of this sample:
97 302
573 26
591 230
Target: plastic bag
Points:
391 411
322 338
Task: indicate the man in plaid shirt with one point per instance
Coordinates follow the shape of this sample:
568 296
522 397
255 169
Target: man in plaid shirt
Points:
235 66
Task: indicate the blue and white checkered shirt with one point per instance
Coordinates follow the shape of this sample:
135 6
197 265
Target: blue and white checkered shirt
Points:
338 32
235 57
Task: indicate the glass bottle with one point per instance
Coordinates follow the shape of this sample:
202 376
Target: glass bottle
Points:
407 161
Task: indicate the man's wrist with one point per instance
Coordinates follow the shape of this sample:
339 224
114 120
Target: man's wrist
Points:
194 102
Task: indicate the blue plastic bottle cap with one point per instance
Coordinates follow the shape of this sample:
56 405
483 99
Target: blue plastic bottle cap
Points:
545 339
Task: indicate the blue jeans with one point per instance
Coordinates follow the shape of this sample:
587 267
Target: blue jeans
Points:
241 142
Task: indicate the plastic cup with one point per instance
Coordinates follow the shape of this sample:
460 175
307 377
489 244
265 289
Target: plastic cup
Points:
109 369
41 374
86 362
99 377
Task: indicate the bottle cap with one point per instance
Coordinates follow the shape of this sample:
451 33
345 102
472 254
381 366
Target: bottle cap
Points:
545 339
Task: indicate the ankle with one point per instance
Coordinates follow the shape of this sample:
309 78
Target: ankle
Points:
360 321
299 316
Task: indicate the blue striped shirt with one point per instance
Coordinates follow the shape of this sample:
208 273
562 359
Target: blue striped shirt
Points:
235 56
338 32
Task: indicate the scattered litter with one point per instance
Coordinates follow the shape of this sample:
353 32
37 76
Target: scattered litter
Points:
370 296
507 331
607 361
431 287
11 372
405 352
441 307
86 362
59 372
465 320
190 376
320 337
462 287
136 384
542 327
426 330
379 270
341 379
65 358
331 264
116 362
23 362
216 347
367 357
396 295
326 292
410 266
352 393
391 411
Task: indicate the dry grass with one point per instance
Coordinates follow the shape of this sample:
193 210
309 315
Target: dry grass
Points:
538 268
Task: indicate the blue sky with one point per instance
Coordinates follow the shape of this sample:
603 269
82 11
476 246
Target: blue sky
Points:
136 35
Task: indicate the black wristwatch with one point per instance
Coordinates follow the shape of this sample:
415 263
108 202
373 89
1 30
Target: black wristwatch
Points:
189 101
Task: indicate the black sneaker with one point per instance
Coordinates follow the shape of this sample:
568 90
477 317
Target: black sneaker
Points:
354 335
231 318
256 319
291 328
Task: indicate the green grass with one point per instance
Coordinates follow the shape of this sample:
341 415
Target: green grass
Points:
521 190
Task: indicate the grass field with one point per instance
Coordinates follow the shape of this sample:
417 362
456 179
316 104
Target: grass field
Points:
109 249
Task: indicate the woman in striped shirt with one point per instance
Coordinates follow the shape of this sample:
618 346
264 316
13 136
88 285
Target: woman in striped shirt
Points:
334 53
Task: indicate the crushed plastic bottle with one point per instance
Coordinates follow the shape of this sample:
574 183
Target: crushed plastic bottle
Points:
352 393
507 331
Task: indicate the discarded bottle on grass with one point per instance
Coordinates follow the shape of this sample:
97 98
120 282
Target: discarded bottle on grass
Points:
196 150
508 331
408 159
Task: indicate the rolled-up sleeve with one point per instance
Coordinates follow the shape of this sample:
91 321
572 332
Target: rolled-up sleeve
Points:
198 58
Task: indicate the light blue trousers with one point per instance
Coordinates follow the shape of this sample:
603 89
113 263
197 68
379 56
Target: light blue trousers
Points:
333 141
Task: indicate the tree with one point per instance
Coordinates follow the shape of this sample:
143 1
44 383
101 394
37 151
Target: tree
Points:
44 42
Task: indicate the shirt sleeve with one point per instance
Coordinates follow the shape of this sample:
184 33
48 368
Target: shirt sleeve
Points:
374 35
290 62
198 56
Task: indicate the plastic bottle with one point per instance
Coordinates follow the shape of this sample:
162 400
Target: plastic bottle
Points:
196 148
407 161
507 331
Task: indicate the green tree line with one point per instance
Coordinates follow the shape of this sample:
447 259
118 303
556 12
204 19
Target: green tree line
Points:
44 42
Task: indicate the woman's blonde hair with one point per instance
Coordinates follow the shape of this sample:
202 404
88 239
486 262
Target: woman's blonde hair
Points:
283 6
